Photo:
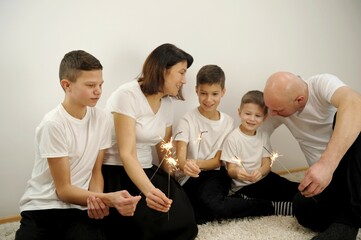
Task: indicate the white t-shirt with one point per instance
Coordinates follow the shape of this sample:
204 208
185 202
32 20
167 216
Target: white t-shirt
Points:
190 127
129 100
312 127
61 135
249 149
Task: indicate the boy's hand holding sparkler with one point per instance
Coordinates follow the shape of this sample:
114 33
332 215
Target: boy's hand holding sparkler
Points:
243 175
191 168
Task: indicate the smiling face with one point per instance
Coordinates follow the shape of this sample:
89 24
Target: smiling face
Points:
86 90
174 78
252 116
209 97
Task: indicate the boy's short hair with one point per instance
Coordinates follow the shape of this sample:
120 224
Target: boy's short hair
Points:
255 97
211 74
76 61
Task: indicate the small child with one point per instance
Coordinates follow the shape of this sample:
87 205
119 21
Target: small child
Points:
66 178
246 153
199 136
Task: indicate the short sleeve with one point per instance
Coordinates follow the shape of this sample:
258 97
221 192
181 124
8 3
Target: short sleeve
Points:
229 149
107 137
181 130
52 140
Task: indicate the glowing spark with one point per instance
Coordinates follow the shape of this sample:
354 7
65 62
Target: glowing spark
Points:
274 156
236 160
173 163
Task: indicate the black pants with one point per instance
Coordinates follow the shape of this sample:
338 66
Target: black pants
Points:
272 187
209 196
178 224
340 202
58 224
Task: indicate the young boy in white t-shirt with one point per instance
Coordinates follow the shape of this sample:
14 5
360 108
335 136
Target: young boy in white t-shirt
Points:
65 192
247 151
199 136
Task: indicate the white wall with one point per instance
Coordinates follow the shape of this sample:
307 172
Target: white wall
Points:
248 39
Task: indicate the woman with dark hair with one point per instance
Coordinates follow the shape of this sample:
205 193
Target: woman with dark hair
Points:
143 115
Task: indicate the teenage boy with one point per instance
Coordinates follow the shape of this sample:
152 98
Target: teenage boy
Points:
65 192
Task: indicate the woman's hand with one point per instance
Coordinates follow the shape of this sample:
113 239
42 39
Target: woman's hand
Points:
157 200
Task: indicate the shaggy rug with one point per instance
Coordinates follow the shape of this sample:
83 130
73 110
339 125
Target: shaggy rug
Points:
270 228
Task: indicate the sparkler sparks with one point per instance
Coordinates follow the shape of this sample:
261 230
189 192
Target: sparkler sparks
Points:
172 162
236 160
273 157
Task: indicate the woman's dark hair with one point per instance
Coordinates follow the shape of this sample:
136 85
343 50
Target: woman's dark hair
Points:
162 58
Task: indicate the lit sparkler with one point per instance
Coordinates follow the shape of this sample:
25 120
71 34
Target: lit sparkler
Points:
236 160
199 139
172 162
273 157
168 148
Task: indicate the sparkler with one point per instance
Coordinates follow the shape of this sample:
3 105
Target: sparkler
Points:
236 160
168 148
172 162
274 156
199 139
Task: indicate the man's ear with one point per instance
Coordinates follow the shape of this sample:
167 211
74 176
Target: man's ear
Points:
300 101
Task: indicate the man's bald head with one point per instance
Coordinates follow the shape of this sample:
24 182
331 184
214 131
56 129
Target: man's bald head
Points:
284 93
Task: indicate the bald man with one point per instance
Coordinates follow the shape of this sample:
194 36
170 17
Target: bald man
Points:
330 193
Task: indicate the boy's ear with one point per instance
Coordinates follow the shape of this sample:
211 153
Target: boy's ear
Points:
223 91
65 84
196 88
265 116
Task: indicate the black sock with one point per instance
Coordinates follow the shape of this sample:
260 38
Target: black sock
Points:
338 231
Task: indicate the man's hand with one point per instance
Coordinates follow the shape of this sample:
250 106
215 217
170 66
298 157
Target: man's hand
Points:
316 179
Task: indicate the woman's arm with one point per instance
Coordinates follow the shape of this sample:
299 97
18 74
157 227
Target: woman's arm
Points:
126 139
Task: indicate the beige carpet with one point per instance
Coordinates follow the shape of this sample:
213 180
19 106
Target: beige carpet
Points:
270 228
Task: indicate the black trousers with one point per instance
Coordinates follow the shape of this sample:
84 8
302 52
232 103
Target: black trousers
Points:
340 202
178 224
58 224
209 196
272 187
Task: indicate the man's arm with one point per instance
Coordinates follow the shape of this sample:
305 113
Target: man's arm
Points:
346 130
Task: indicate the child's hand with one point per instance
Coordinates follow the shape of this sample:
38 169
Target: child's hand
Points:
191 168
243 175
256 176
124 202
96 208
